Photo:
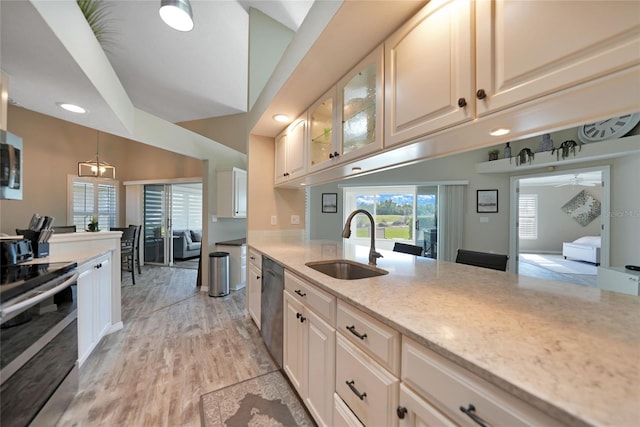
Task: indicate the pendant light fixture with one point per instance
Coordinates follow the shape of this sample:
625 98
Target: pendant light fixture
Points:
96 168
177 14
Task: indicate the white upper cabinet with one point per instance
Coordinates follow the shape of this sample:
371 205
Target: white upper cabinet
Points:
232 193
346 123
322 138
290 153
527 49
361 101
429 76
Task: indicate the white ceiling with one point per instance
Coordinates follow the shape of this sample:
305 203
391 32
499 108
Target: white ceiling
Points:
172 75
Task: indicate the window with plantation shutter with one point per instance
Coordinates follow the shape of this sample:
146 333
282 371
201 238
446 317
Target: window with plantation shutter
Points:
528 216
93 197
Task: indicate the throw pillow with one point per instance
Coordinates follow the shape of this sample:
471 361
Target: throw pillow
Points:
187 237
196 236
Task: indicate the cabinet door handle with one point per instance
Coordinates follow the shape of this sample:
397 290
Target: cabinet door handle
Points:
481 94
352 329
471 413
401 411
299 292
462 102
336 154
257 277
331 155
355 390
301 317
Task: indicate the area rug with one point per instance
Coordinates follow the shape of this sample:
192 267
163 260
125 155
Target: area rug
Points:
558 264
264 401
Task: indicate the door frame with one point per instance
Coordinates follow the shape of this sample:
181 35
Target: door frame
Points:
605 229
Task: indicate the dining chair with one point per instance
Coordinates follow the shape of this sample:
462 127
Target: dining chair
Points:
136 247
127 245
482 259
407 249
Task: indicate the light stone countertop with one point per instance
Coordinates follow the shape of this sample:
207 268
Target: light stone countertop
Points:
569 350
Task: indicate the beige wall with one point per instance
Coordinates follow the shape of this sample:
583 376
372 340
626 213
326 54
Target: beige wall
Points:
52 149
263 200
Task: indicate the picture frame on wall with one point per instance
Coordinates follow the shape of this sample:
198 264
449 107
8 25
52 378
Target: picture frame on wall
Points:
487 201
329 202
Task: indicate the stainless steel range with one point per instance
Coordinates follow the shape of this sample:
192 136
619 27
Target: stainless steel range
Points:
38 342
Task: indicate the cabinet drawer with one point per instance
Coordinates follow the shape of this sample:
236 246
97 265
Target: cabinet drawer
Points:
255 258
323 303
368 389
450 387
342 415
374 337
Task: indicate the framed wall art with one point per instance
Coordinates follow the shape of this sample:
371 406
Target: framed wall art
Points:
487 201
329 202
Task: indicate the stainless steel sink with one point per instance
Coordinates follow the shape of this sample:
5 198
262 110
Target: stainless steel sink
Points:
345 269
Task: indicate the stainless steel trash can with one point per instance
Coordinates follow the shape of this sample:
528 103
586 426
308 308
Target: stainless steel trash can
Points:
218 274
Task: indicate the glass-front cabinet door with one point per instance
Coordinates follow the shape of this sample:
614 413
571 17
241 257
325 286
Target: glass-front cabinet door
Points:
322 148
361 103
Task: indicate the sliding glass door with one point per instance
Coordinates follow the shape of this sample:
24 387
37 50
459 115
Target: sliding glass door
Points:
157 224
427 220
169 207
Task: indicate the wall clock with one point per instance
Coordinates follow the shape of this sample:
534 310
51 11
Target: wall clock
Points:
614 127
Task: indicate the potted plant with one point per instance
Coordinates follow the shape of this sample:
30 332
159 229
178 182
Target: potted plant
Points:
493 154
93 224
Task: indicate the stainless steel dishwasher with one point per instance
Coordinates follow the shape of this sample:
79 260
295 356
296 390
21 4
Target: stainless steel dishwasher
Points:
271 310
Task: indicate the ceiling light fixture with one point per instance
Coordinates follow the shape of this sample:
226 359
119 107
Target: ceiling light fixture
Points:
72 107
499 132
356 169
96 168
177 14
282 118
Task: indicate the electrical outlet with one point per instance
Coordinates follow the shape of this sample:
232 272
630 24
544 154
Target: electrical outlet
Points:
274 220
214 218
295 219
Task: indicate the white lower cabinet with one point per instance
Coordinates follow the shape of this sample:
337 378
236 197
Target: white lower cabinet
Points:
342 415
309 352
94 304
436 391
254 285
413 410
369 390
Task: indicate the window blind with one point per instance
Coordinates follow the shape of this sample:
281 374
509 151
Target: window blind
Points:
528 216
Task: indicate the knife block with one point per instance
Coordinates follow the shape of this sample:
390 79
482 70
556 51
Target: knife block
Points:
40 249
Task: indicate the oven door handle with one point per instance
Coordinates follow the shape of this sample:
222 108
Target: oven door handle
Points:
38 297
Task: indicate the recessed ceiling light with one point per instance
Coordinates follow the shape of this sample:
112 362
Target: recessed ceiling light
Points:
499 132
72 107
282 118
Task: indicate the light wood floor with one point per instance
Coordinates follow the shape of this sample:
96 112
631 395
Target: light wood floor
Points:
176 345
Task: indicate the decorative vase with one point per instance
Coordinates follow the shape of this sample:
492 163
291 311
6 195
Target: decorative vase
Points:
507 151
